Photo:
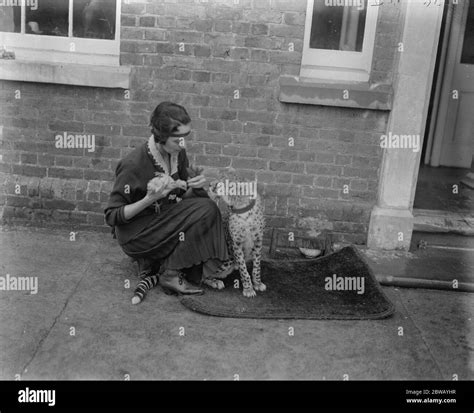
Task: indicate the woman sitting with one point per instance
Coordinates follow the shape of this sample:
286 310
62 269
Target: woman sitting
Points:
177 225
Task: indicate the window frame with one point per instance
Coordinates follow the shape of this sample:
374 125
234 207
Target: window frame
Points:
339 65
58 49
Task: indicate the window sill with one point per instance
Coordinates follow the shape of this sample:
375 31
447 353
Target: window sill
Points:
65 73
359 95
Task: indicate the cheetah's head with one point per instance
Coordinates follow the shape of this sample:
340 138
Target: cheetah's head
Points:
232 190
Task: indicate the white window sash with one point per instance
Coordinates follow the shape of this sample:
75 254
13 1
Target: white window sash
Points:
64 49
336 65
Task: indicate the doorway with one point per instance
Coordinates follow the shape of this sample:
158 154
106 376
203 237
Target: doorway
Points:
444 198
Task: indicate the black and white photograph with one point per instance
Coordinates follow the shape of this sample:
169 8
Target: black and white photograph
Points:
237 190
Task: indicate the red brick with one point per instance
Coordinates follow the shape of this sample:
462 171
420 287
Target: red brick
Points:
29 158
203 25
202 76
146 21
263 117
266 177
244 163
208 113
317 169
95 219
268 153
280 222
240 27
136 130
283 178
217 161
287 167
281 30
155 34
63 160
230 150
90 206
132 33
133 8
132 59
288 155
58 204
325 158
28 170
65 173
98 175
214 125
285 57
302 180
259 29
223 26
281 190
297 19
66 126
323 181
212 149
289 5
186 37
18 201
128 20
358 172
202 51
306 156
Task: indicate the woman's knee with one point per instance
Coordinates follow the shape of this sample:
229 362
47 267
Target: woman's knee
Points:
208 207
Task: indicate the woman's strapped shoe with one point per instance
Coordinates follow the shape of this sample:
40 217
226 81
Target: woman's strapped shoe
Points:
173 282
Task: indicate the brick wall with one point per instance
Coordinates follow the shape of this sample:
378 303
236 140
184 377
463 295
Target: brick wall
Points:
222 61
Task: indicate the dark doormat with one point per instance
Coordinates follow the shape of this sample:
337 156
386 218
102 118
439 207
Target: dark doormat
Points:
301 289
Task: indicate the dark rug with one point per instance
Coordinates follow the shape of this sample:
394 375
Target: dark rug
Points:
298 289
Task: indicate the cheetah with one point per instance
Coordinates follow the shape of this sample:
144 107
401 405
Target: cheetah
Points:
243 224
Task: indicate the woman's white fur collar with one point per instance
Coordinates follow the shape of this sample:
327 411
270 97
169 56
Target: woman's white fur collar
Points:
158 158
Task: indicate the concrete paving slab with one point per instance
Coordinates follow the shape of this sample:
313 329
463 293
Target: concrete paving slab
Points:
444 321
26 318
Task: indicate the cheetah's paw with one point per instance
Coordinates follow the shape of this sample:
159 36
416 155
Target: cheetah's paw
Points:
213 283
249 292
260 286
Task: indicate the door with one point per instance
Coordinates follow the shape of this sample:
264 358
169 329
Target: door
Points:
453 139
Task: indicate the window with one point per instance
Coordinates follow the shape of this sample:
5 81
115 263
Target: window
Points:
339 40
68 31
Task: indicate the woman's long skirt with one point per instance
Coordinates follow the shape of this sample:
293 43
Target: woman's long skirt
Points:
182 235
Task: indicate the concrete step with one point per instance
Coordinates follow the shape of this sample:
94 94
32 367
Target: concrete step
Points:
435 221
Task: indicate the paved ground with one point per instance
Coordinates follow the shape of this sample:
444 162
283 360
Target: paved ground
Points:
81 325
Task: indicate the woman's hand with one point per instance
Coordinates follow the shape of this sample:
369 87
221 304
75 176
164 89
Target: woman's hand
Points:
153 195
198 181
159 188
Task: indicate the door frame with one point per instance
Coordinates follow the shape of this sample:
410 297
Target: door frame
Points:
441 116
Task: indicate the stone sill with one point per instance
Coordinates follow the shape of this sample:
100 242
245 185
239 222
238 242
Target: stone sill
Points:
360 95
65 73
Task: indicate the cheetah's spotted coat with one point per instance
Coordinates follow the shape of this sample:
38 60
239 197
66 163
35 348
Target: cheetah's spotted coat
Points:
244 234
